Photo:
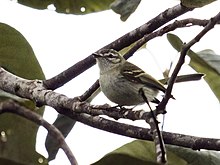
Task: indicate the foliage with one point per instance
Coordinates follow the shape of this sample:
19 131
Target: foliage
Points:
142 152
17 56
70 6
123 7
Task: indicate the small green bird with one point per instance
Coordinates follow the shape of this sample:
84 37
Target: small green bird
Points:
123 82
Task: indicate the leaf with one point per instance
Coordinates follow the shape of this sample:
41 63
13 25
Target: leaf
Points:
17 56
208 62
175 41
125 7
185 78
126 49
196 157
138 152
205 61
42 161
65 125
196 3
78 7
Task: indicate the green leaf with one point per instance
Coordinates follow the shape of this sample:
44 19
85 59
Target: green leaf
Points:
65 125
126 49
205 61
138 152
125 7
196 3
70 6
196 157
175 41
42 161
17 56
185 78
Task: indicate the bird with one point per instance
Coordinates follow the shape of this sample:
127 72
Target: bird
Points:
125 83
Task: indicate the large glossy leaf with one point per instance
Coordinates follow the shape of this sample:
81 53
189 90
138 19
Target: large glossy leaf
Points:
141 152
196 157
70 6
17 56
138 152
205 61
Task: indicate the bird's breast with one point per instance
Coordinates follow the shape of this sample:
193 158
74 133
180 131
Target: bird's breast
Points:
122 91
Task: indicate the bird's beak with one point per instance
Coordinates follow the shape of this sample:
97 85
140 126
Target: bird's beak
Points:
96 55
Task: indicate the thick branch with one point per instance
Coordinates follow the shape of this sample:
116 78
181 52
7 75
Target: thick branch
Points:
34 90
10 106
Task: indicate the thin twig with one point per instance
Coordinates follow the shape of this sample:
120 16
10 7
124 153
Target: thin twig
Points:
90 91
10 106
171 27
212 22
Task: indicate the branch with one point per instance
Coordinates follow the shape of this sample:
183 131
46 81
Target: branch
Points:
120 43
34 90
90 91
10 106
171 27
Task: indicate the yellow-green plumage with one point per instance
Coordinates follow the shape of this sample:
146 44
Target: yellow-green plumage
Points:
122 81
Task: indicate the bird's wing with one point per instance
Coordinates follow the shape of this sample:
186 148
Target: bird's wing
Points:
134 74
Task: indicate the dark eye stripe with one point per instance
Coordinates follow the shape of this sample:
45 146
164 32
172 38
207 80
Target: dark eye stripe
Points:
112 55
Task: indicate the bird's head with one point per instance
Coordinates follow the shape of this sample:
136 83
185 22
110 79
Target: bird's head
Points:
108 59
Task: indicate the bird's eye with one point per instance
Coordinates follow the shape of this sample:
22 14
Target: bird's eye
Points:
111 56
